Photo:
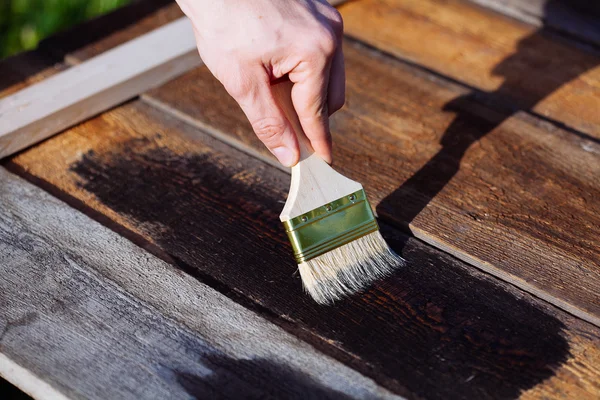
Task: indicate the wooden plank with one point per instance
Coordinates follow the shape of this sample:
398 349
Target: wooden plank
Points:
82 91
514 63
579 19
515 197
436 329
87 313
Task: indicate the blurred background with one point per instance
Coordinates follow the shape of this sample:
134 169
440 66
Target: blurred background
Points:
23 23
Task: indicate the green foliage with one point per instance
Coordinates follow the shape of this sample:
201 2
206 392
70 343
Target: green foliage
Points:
23 23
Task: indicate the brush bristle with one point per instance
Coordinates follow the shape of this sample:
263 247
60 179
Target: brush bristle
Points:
349 268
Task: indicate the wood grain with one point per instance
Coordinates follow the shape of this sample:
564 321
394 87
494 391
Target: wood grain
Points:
513 63
436 329
576 18
513 196
94 316
441 317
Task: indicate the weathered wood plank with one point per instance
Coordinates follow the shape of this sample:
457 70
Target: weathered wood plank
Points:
436 329
515 63
515 197
94 316
64 99
576 18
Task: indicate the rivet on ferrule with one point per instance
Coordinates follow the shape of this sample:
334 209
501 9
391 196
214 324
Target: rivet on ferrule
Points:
328 227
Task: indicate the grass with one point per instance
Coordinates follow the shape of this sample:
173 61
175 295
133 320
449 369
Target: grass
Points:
23 23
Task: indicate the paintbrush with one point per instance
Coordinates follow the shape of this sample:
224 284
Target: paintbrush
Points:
330 223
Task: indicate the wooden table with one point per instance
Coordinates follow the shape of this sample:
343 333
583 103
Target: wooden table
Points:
141 254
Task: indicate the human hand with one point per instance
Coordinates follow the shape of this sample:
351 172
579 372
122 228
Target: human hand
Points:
247 44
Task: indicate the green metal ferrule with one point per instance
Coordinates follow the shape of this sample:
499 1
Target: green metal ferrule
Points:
330 226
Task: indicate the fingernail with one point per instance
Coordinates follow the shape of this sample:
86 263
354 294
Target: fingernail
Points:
284 155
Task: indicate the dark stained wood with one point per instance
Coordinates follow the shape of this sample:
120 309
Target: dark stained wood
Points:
436 329
513 196
96 317
516 64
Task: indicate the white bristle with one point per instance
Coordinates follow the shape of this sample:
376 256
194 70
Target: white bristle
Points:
349 268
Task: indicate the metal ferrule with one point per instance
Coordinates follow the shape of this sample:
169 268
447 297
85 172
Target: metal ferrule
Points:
330 226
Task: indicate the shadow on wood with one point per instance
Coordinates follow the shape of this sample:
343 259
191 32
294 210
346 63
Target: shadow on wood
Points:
12 392
262 377
467 128
434 329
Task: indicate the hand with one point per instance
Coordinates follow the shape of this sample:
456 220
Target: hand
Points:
247 44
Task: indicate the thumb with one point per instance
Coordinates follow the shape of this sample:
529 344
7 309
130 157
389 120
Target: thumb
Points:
269 122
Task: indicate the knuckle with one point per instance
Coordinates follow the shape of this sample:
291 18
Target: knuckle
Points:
325 41
236 80
329 42
238 88
269 130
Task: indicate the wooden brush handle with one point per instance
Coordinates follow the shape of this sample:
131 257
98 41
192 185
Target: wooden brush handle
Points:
314 182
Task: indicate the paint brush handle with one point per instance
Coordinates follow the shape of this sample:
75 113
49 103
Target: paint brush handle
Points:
283 95
314 182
